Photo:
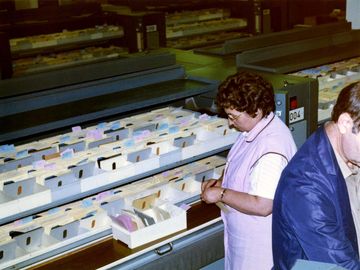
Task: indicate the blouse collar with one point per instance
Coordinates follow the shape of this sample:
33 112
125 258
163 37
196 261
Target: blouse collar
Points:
259 127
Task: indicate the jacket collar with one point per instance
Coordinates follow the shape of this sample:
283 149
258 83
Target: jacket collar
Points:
325 150
263 123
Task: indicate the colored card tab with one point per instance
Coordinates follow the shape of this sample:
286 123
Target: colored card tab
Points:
64 139
76 129
22 154
7 148
39 164
67 154
116 125
94 134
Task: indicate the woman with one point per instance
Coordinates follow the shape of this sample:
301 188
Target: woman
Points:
252 171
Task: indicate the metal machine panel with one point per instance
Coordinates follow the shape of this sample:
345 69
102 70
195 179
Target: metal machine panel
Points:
296 102
280 105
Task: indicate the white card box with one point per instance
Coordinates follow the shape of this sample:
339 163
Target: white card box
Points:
15 175
140 127
84 170
118 175
41 196
27 193
89 214
190 186
66 191
182 190
118 165
8 206
112 207
55 181
76 146
204 175
117 134
137 195
87 175
175 223
167 153
204 141
16 163
31 240
41 153
97 179
7 251
65 231
228 135
213 161
19 188
94 221
97 143
143 160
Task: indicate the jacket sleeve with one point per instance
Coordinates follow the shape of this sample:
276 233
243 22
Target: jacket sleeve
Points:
315 214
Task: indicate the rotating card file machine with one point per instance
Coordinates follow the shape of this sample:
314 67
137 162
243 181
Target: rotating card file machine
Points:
296 101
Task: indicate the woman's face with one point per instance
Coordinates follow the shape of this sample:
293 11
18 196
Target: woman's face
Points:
242 121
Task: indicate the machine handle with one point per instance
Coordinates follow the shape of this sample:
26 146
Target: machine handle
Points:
162 250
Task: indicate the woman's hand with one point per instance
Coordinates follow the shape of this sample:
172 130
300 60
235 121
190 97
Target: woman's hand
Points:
210 183
211 194
211 190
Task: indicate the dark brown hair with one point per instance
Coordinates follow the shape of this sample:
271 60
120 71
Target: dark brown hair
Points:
246 92
348 101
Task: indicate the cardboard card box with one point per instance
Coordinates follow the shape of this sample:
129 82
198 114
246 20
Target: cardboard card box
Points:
65 231
84 170
143 160
40 197
112 207
94 220
97 143
167 153
55 181
65 191
113 162
39 154
76 146
18 174
13 164
29 240
213 161
117 134
7 251
8 206
180 193
176 222
19 188
94 181
188 185
204 141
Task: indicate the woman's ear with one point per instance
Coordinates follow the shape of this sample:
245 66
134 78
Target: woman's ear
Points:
258 113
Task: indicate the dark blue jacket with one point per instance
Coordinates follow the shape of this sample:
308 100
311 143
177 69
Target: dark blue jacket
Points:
311 214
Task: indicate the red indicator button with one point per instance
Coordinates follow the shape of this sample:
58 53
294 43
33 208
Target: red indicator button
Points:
293 103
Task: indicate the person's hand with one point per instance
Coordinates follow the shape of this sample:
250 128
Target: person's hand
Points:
208 183
211 194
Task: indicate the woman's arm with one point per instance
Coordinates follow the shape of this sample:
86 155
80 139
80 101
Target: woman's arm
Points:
243 202
263 182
